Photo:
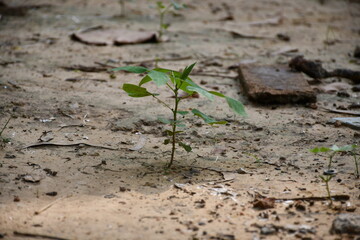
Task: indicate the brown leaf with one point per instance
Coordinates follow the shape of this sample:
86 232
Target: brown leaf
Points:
264 203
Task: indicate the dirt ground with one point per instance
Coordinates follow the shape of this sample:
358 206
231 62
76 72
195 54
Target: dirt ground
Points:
94 186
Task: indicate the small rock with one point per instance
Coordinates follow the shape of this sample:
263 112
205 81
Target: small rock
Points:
108 196
52 194
200 203
268 229
9 156
357 52
356 88
346 223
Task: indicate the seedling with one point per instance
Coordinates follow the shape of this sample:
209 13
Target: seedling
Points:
332 151
4 140
163 10
176 82
335 149
356 158
326 179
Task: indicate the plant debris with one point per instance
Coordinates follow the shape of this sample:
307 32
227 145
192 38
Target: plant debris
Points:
315 70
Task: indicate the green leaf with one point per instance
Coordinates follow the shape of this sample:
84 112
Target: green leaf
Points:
320 149
185 146
176 5
183 84
165 26
145 80
187 71
160 5
135 91
133 69
206 118
201 91
170 133
166 141
236 106
159 78
164 120
217 94
183 112
347 148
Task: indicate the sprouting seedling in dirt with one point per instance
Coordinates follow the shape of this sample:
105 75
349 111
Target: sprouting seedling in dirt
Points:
326 179
332 151
4 140
176 82
163 10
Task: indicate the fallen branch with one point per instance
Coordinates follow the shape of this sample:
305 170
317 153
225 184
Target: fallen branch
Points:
315 70
67 145
85 68
334 197
34 235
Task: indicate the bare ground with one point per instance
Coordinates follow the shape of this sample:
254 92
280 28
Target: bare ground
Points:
122 194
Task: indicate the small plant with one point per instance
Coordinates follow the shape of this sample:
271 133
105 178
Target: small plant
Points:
163 10
335 149
4 140
176 82
326 179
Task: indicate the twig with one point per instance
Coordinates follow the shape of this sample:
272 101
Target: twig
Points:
213 75
49 205
342 111
7 122
66 145
335 197
105 65
34 235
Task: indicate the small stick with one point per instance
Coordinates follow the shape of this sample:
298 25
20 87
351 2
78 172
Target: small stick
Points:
66 145
49 205
2 130
34 235
335 197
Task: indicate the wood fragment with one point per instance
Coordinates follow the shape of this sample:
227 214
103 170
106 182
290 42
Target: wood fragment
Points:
84 68
35 235
66 145
340 197
341 111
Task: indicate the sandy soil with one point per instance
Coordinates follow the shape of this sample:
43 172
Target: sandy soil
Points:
104 190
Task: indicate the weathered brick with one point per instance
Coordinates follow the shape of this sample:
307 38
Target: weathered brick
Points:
274 84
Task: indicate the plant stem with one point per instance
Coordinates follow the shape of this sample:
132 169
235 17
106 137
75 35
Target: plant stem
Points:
356 165
177 100
162 102
328 190
2 130
162 16
330 160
